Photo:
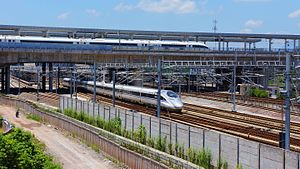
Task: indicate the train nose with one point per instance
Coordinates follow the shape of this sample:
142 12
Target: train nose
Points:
178 104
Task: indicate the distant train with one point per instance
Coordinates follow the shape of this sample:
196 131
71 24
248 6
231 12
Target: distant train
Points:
113 42
169 99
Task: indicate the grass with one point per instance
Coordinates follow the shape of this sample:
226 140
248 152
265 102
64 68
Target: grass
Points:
34 117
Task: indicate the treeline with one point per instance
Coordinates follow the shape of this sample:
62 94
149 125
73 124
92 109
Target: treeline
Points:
20 150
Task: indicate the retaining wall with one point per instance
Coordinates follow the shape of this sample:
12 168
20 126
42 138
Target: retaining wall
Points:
91 135
234 150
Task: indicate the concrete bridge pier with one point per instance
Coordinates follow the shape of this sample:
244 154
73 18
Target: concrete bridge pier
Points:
43 77
2 80
50 77
7 79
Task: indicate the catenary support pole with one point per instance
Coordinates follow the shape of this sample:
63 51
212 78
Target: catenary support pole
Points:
58 82
2 79
234 89
71 84
74 83
287 101
94 93
19 80
7 79
234 85
38 83
114 88
158 87
50 77
44 77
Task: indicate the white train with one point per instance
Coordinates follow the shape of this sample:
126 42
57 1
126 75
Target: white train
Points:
169 99
101 41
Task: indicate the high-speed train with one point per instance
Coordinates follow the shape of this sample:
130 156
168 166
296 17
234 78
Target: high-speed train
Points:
102 41
169 99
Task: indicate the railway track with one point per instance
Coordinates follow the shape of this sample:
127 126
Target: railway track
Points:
251 127
249 102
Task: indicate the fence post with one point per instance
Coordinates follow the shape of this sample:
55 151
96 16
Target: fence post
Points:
176 134
203 138
170 133
238 151
109 111
150 127
126 120
220 146
132 121
189 133
259 155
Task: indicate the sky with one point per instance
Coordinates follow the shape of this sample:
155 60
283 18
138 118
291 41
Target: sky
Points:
247 16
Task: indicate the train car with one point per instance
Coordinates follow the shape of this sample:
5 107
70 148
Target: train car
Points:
169 99
113 42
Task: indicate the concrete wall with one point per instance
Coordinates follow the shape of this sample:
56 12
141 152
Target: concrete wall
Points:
234 150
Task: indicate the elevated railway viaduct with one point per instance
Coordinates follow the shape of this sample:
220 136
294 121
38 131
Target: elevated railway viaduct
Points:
14 53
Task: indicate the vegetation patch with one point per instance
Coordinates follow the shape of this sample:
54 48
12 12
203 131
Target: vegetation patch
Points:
19 149
34 117
201 157
1 118
256 92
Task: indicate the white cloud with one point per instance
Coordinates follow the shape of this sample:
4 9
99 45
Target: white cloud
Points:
124 7
63 16
246 30
294 14
161 6
92 12
253 23
252 0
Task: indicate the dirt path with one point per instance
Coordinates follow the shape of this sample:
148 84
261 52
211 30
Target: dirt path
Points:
68 151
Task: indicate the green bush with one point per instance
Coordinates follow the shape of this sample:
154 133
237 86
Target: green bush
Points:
222 164
150 142
191 153
100 122
239 166
181 151
142 134
170 148
19 149
204 158
256 92
161 143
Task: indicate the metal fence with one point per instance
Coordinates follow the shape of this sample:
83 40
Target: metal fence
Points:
234 150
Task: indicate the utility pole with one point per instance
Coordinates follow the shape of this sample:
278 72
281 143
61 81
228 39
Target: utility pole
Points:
158 87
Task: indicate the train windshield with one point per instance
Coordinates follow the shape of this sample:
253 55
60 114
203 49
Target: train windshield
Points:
172 94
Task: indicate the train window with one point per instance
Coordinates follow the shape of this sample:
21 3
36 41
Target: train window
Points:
172 94
200 46
162 98
148 95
